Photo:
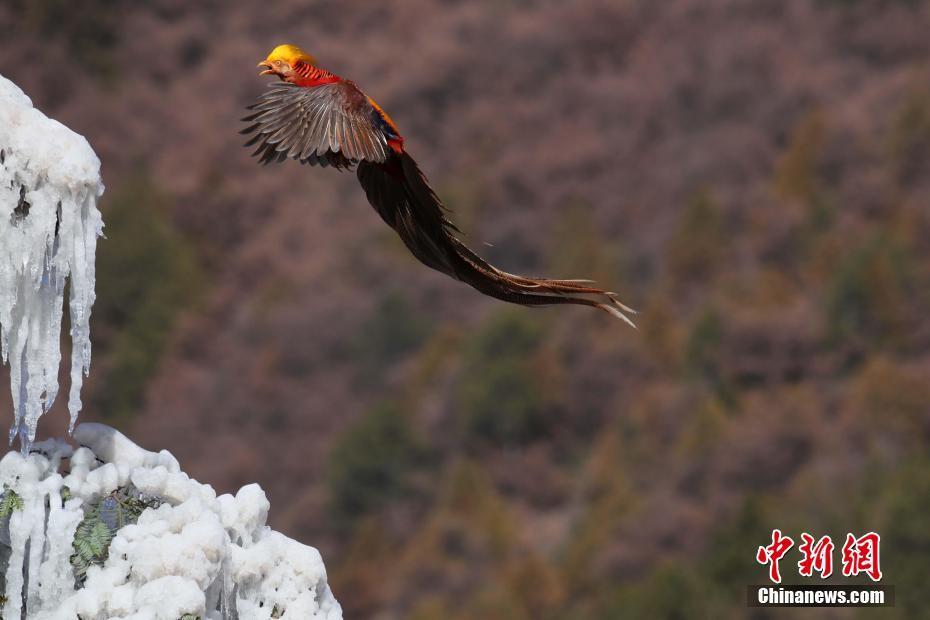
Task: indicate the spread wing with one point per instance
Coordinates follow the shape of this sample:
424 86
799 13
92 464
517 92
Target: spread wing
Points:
329 124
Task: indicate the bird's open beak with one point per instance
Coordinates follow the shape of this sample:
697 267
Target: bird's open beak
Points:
267 66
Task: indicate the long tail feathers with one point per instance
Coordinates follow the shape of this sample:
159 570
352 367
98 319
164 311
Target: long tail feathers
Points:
402 196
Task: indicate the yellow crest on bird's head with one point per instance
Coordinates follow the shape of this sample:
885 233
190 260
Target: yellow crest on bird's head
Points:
290 54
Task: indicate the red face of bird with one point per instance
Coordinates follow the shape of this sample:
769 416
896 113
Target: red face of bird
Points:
283 60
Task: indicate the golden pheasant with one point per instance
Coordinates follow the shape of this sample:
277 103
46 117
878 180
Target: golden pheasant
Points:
319 118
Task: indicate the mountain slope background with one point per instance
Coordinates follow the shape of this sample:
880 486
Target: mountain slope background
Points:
753 177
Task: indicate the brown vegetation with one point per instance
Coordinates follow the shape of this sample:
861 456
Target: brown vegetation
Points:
752 176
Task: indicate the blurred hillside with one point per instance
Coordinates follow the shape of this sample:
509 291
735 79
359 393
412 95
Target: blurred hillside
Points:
752 176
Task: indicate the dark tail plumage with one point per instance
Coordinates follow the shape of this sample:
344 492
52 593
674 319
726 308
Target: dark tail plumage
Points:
402 196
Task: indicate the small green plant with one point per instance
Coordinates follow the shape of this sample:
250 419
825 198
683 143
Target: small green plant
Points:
95 532
91 543
9 501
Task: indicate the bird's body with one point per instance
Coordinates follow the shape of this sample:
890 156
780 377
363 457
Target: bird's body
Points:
319 118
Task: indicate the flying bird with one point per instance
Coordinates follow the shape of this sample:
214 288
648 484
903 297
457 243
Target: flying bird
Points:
316 117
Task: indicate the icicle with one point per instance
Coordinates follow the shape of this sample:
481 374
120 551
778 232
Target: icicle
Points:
49 224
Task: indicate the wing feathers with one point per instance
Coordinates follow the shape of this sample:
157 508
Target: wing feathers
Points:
331 123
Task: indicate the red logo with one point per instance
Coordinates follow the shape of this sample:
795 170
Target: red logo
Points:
817 556
860 555
773 553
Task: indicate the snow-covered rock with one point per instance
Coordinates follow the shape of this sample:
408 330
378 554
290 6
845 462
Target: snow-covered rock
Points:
107 530
196 553
49 224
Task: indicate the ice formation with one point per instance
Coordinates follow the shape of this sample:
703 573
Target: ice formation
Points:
49 224
196 555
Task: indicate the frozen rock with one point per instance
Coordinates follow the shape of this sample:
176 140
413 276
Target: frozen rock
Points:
196 553
49 224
